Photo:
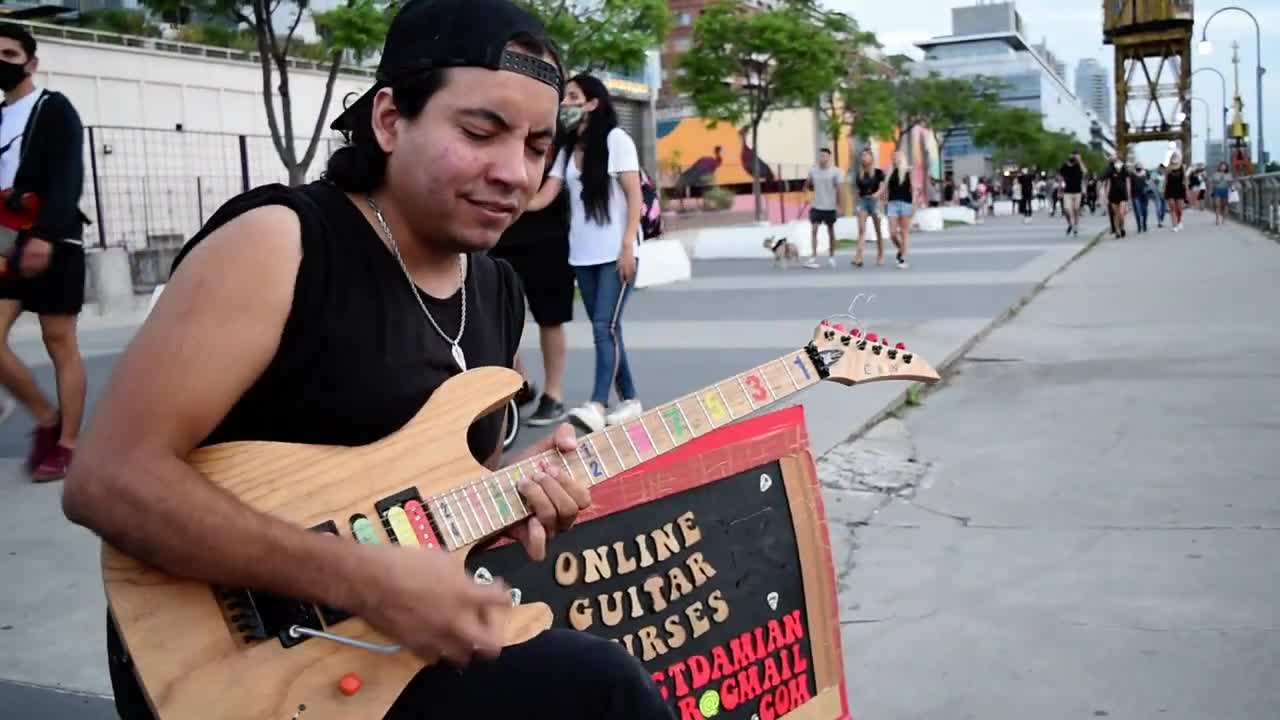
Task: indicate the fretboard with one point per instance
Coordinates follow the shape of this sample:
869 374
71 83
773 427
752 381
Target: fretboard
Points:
493 502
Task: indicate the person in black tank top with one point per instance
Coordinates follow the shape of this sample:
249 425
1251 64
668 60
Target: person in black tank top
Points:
326 314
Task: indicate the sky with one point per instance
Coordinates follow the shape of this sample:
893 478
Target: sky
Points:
1073 30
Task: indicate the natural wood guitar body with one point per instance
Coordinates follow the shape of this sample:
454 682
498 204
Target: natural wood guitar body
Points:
192 663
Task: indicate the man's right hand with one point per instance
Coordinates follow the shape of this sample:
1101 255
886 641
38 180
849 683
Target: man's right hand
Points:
428 603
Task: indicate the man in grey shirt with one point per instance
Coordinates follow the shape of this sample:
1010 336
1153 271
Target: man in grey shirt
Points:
824 181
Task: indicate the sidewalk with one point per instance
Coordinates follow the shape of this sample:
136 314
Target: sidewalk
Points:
1081 521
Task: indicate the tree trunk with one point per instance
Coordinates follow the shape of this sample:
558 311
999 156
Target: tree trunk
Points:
754 170
297 174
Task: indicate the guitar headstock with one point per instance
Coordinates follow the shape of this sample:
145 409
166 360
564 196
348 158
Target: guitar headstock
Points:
851 356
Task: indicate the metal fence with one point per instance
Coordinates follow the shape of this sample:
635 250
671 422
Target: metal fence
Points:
147 188
1259 201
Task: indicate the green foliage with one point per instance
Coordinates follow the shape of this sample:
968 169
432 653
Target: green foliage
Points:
597 34
945 104
718 198
744 63
124 22
1017 135
871 107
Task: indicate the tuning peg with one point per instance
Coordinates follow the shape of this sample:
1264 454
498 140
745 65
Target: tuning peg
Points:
900 346
872 337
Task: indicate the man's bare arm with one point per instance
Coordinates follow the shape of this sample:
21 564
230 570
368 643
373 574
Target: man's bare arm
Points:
214 329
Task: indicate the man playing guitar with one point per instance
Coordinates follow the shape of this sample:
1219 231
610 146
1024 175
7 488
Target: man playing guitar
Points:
327 314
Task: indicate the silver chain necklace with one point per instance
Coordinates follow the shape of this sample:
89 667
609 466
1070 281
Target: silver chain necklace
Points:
456 349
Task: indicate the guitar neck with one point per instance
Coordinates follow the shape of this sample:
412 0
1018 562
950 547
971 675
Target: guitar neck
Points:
493 503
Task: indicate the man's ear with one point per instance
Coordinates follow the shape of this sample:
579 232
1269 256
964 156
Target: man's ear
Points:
33 65
385 115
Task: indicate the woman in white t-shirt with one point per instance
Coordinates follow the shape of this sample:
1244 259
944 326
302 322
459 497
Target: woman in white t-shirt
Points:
601 168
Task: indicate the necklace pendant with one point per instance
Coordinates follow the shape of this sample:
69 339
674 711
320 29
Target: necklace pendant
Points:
459 358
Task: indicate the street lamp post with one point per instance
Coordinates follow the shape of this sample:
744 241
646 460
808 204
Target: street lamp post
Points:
1206 48
1207 107
1223 78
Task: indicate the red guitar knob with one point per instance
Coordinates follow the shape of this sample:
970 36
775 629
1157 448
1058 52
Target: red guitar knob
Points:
872 337
900 346
855 332
839 327
350 684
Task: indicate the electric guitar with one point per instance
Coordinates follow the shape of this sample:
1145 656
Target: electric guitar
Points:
16 214
217 653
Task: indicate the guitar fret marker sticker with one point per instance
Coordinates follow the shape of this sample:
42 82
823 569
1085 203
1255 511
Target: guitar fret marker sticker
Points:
674 422
756 386
639 438
594 466
715 407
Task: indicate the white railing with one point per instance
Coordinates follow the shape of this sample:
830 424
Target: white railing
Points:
177 47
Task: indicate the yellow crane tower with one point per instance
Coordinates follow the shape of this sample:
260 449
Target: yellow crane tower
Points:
1152 39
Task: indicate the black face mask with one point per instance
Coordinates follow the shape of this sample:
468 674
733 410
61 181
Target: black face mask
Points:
11 75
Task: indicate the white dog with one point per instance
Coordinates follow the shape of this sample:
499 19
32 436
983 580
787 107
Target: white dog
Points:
783 250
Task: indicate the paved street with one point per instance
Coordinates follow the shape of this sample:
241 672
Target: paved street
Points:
731 316
1082 521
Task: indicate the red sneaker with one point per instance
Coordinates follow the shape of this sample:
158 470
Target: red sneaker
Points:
43 440
54 466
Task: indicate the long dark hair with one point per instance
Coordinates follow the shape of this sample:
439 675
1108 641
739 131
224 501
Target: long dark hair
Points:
361 165
595 148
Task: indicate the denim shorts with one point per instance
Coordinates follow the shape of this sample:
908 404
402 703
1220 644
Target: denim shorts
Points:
898 207
867 205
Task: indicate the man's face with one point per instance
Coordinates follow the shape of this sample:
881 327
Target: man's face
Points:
11 52
824 160
467 166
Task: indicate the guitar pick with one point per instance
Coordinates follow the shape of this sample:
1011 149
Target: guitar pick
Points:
483 577
766 482
772 599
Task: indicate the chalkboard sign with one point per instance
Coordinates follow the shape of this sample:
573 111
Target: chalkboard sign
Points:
720 586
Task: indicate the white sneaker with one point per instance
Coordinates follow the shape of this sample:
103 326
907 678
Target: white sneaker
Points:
589 416
811 265
831 262
625 411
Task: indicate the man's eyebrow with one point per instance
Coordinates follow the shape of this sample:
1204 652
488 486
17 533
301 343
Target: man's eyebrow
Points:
501 122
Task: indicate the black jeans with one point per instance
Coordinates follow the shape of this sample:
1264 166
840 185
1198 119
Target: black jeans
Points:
559 674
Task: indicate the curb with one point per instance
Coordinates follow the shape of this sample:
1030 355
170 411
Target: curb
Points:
900 399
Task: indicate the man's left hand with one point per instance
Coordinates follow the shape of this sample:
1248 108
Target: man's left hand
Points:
552 495
35 257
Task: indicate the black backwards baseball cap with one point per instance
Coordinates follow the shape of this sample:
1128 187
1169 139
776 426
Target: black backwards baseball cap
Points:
433 34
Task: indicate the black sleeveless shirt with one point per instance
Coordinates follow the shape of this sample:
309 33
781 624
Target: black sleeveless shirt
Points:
357 358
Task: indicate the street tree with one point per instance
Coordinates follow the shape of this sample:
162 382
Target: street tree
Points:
348 33
859 101
945 105
592 35
746 62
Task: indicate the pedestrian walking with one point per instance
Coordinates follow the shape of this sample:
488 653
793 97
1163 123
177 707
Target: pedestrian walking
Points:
1026 192
1072 173
901 206
1119 185
537 248
42 143
869 183
1175 190
1220 182
1140 191
824 181
600 167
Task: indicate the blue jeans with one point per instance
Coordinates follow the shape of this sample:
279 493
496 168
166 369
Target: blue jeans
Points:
605 297
1140 211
